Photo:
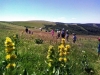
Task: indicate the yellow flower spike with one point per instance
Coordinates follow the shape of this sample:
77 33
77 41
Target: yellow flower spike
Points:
60 59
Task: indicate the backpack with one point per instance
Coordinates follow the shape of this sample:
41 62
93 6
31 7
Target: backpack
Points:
63 32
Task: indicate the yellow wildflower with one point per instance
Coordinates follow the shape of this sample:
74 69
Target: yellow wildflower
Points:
65 59
63 41
8 57
60 50
65 49
68 46
61 46
60 54
50 47
8 39
65 53
11 66
60 59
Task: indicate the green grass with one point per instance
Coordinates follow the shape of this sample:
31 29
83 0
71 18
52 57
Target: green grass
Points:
32 57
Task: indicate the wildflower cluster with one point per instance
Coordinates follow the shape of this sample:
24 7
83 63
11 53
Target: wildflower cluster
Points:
63 51
50 56
57 59
10 56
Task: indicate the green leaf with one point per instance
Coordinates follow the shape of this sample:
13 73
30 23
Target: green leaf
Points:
54 70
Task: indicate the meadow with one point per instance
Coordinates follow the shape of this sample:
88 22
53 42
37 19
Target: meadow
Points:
32 58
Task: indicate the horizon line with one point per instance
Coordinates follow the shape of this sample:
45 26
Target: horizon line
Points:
49 21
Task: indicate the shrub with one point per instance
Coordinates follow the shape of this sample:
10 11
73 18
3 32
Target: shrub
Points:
38 41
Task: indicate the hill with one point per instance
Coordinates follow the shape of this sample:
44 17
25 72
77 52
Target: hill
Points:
78 28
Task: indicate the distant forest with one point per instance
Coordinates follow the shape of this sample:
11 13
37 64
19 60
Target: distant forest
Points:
80 29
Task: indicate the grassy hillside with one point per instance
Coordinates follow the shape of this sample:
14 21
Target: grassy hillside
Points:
32 56
32 24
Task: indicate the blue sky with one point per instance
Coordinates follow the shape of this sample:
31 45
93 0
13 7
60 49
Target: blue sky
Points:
67 11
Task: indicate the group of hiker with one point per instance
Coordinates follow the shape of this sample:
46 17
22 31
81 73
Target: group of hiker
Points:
28 31
64 34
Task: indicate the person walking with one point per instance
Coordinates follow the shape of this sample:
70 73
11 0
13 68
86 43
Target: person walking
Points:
26 29
63 33
58 33
52 33
74 37
67 35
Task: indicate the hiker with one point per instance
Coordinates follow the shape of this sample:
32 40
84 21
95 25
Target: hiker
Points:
52 32
58 33
99 47
26 30
29 31
74 37
63 33
67 35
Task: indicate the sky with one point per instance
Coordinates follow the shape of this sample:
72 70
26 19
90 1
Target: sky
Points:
67 11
